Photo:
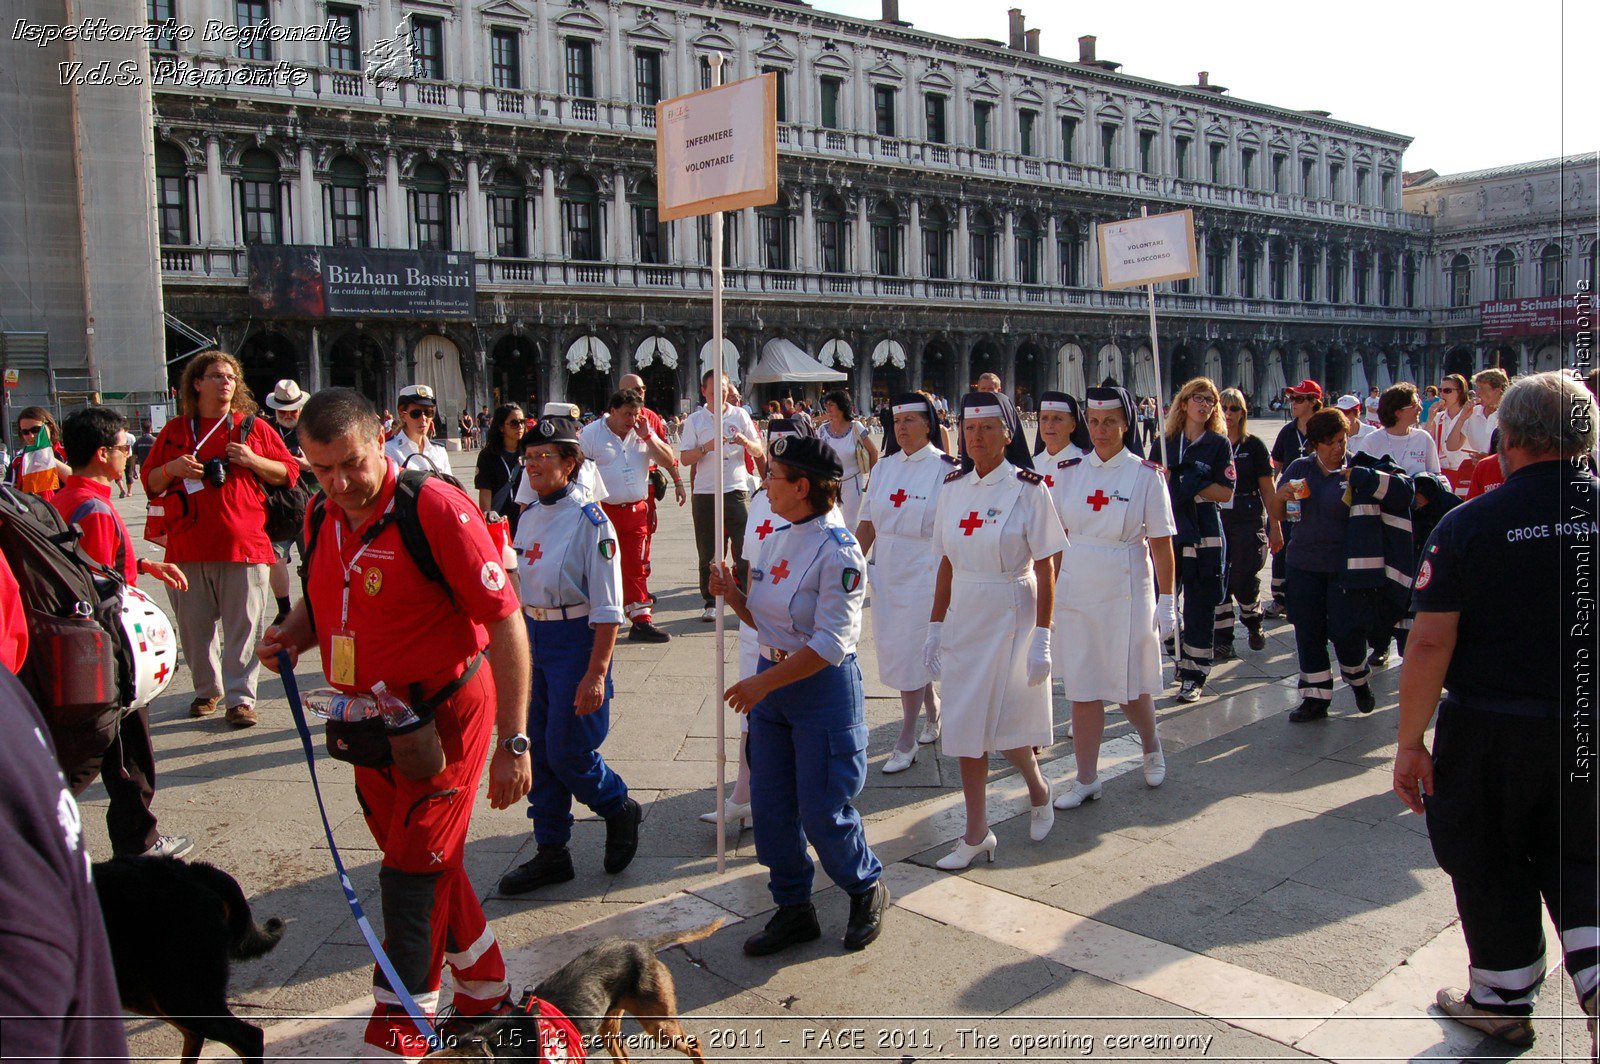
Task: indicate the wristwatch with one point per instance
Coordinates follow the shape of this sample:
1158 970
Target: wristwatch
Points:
517 745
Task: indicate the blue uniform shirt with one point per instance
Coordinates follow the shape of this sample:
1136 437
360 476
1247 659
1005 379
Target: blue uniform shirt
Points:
1317 545
1513 563
567 556
807 588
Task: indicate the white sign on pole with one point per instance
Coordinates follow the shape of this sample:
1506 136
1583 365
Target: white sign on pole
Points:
717 149
1149 250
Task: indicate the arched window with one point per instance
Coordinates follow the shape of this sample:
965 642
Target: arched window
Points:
1030 249
832 235
1551 271
936 242
1505 274
347 202
886 240
430 192
1460 281
981 231
508 214
647 225
172 195
258 198
580 214
776 244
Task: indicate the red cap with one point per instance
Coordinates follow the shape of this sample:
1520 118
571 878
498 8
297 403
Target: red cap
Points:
1306 387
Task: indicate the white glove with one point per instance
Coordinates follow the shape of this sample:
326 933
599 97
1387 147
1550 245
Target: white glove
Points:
1039 657
931 656
1166 616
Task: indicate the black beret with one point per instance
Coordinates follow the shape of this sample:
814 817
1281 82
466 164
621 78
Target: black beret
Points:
555 430
809 455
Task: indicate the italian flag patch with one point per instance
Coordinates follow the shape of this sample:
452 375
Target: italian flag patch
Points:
851 579
608 549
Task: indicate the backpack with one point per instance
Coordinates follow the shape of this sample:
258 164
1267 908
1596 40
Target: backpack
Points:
285 503
408 485
79 669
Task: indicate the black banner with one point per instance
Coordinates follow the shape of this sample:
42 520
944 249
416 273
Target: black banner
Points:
302 281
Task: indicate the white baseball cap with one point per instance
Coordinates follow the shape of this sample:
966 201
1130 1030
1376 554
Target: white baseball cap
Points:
1348 403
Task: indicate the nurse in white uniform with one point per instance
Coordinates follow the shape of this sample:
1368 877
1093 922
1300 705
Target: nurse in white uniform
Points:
838 429
998 538
1063 434
1118 517
897 520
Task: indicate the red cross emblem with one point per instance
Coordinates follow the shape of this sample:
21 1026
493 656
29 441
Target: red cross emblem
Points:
779 571
899 497
1049 481
536 553
970 524
764 529
163 672
1097 500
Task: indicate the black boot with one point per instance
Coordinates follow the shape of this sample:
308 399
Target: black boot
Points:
1257 640
622 836
789 926
1224 652
1310 709
551 865
646 632
866 916
1366 701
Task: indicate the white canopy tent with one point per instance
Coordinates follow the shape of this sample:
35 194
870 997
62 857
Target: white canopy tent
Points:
1211 367
1247 372
1109 364
1408 371
889 352
1358 377
1144 372
652 348
588 349
1272 388
836 352
1381 379
1072 381
783 362
730 358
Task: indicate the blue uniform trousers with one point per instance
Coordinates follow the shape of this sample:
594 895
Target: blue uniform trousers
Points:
1322 610
808 760
565 747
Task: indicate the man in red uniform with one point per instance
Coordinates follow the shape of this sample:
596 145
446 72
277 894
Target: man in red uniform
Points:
216 527
368 601
98 449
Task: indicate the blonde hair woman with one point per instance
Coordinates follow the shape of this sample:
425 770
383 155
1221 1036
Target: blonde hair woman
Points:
1247 527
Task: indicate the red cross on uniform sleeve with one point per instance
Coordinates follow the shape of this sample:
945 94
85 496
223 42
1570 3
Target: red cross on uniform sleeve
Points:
1049 481
970 524
1097 500
779 571
899 497
536 553
764 529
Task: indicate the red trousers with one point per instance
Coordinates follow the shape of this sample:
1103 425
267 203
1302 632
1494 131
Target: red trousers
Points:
634 525
431 914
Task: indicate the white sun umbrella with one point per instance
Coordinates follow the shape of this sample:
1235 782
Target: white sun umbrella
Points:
1358 376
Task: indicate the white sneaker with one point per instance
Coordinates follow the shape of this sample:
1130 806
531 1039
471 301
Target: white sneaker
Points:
1078 794
732 813
709 614
963 855
899 761
1044 818
1155 769
930 732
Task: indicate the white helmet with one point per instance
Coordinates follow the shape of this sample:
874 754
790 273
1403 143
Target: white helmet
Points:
151 645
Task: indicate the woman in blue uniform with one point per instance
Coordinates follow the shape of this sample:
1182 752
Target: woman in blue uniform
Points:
808 732
1200 479
571 586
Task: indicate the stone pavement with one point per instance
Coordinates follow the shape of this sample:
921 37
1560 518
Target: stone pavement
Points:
1271 901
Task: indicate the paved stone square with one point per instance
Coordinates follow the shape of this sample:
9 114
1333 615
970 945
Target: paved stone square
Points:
1271 901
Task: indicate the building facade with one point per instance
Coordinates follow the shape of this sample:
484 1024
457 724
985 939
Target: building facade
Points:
937 206
1515 249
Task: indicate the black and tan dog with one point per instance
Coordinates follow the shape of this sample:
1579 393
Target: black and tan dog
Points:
174 927
594 990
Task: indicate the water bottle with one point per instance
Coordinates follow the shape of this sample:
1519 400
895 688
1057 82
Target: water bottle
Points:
396 712
336 705
1292 509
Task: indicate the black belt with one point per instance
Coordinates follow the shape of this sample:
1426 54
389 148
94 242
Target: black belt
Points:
424 707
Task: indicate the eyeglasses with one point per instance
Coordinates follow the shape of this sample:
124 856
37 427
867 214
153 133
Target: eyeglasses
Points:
125 448
537 459
416 414
29 433
516 421
782 480
1299 398
1206 399
229 377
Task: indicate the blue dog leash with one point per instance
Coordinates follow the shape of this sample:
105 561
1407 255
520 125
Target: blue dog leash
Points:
420 1019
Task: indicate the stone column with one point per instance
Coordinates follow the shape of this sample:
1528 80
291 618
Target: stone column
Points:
475 214
1292 289
1232 286
550 215
808 234
1202 239
397 234
1264 282
618 243
1008 248
219 207
863 263
914 241
310 228
1052 253
963 249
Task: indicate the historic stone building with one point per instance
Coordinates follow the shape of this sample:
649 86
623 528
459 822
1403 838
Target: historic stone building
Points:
1520 236
937 204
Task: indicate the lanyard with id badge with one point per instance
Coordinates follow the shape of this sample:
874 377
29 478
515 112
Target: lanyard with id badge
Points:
342 667
194 484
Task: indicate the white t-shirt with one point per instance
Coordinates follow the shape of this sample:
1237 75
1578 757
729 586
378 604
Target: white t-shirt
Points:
623 464
1480 429
401 448
698 431
1414 452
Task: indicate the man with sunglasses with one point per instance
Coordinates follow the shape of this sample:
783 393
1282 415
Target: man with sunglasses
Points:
1304 399
413 446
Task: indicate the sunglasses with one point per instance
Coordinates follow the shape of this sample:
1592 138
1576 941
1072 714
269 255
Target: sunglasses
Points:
29 433
1448 391
516 421
1299 398
1234 409
125 448
418 415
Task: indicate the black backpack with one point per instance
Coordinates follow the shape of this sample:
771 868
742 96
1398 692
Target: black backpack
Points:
79 667
285 503
408 485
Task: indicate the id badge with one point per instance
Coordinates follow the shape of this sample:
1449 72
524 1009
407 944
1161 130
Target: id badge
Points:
342 669
192 486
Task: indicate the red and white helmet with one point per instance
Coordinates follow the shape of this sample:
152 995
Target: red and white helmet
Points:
152 646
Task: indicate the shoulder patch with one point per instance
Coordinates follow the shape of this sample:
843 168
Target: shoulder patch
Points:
1157 466
841 536
957 475
1028 476
949 459
592 511
1068 463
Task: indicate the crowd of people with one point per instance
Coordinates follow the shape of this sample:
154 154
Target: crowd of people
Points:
995 571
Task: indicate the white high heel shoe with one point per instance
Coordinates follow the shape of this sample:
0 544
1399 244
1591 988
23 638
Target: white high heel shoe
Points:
732 812
962 855
1155 768
930 732
1044 816
1078 794
899 761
